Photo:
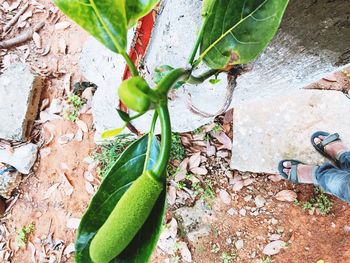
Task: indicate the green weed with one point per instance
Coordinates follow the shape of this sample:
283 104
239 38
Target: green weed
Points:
111 151
266 260
319 201
75 103
228 257
177 151
23 235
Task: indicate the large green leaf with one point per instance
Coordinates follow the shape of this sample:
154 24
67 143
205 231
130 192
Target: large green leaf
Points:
119 178
135 9
237 31
107 20
103 19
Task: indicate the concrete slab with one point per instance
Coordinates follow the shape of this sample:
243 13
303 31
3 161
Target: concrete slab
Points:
270 129
20 92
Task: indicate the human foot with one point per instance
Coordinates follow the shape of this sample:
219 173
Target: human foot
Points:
333 149
304 172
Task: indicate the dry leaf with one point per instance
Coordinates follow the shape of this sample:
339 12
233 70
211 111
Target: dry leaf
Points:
32 251
79 135
274 247
62 25
183 166
224 140
330 78
89 177
69 249
171 195
82 125
211 150
89 188
194 160
237 186
184 251
181 175
286 196
67 186
87 94
64 139
62 46
199 171
51 190
73 223
248 181
37 40
44 104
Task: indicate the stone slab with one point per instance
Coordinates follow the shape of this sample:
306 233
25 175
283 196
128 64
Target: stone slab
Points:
20 92
270 129
22 158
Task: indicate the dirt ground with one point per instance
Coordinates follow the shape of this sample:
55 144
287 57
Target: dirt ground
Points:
56 194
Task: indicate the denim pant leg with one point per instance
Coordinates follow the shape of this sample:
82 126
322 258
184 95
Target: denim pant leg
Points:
334 180
344 161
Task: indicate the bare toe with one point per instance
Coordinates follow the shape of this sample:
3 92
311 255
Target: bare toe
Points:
287 164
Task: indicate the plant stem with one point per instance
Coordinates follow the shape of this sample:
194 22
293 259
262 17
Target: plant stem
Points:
130 64
198 42
150 139
204 76
169 80
162 162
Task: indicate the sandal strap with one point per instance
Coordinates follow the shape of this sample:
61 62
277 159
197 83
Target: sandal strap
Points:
293 176
329 139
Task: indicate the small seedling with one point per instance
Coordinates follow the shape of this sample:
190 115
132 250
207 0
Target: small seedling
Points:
215 248
266 260
23 235
228 257
346 73
177 152
217 128
75 103
319 201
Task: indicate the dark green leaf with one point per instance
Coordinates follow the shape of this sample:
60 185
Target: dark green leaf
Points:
237 31
126 169
103 19
124 116
135 9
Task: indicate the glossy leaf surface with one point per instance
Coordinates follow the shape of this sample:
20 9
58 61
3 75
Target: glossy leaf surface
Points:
237 31
103 19
135 9
118 179
107 20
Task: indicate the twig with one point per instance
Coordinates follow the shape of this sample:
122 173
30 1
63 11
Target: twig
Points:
22 37
15 18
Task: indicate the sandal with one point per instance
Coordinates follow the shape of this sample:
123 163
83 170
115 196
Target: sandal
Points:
293 176
320 147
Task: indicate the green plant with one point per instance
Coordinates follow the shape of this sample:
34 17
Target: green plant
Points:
215 248
233 32
75 103
111 151
228 257
23 235
177 151
266 260
217 128
319 201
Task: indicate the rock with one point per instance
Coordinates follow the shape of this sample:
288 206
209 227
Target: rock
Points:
225 197
185 252
259 201
286 195
22 157
239 244
9 180
167 239
242 212
195 220
274 247
279 131
232 212
248 198
20 92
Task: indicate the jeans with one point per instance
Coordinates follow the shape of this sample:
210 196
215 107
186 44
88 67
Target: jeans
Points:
335 179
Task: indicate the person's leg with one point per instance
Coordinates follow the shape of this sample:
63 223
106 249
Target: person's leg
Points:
333 180
344 161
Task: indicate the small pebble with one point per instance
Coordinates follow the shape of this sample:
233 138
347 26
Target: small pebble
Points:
239 244
259 201
242 212
232 212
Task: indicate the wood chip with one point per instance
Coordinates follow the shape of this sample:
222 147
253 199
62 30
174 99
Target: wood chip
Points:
37 40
